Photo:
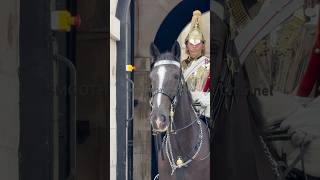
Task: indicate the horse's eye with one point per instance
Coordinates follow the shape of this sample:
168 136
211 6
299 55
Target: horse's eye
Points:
176 76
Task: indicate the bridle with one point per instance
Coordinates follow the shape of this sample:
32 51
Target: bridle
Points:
174 100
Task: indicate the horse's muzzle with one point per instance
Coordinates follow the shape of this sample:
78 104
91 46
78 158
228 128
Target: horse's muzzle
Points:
160 123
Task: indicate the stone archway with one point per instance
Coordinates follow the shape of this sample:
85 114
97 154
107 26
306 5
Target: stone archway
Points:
176 20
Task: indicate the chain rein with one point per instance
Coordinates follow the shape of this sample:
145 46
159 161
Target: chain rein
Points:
272 161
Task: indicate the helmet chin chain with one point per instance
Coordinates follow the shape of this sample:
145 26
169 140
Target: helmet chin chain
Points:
179 163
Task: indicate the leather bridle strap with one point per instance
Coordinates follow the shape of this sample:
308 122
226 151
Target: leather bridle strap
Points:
158 145
165 62
180 174
161 91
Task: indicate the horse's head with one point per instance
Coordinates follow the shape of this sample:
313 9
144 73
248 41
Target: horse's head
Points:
166 84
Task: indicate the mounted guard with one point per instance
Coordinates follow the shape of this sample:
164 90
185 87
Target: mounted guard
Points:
196 68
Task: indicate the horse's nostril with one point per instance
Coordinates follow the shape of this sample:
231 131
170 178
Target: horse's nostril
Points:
163 118
159 120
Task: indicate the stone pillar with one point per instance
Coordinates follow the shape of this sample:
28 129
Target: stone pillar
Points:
114 37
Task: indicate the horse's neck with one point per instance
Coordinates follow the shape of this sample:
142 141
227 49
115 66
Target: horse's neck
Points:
184 140
184 112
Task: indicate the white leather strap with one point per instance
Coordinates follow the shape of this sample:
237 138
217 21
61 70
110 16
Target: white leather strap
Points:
165 62
266 21
194 66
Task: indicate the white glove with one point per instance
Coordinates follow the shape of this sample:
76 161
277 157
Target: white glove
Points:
300 138
204 99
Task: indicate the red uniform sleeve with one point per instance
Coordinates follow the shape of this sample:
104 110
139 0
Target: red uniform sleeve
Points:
312 73
207 84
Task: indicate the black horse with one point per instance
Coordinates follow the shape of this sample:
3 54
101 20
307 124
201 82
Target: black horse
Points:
184 152
237 146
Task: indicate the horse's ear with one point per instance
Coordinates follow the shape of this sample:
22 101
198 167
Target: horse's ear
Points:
154 51
175 50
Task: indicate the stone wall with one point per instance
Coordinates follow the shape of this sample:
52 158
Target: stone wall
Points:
9 85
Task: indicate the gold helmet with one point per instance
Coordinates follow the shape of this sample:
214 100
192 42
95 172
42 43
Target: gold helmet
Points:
195 35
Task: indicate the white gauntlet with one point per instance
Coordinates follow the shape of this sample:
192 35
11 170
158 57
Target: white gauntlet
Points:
204 99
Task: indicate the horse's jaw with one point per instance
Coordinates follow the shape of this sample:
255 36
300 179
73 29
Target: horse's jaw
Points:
160 130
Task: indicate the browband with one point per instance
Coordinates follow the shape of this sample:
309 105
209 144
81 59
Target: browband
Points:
164 62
